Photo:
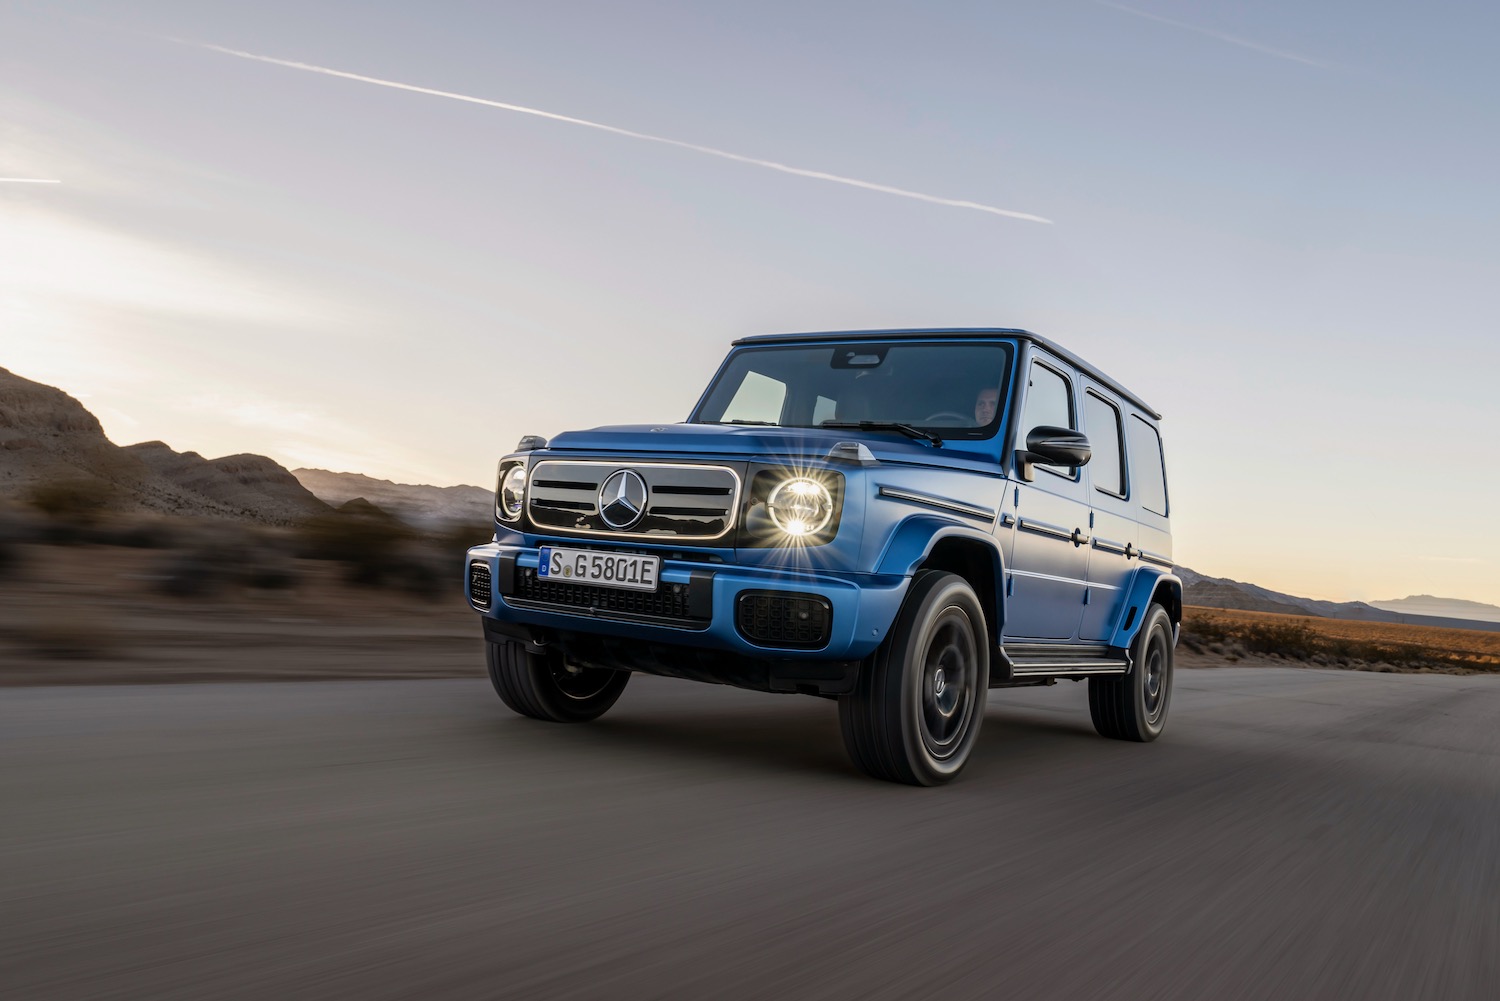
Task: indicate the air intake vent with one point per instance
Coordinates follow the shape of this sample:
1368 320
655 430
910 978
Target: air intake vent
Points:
775 618
481 591
684 605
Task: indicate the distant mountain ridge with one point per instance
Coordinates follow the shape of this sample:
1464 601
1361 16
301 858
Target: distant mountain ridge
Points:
418 504
1221 592
1426 604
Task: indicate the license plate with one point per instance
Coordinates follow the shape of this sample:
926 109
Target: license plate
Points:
584 566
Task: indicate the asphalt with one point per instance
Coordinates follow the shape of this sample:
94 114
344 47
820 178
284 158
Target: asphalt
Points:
1295 834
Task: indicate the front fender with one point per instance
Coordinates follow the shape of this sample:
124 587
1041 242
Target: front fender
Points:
914 538
1143 584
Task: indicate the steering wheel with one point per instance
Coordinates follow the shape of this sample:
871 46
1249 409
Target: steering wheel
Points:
961 418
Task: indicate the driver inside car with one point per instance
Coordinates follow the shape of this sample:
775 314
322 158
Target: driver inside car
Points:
985 405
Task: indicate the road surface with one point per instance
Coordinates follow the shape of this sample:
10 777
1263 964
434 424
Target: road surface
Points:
1295 834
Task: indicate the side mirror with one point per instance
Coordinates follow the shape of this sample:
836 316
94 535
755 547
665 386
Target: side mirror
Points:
1052 446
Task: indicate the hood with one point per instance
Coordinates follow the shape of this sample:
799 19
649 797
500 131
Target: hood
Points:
749 442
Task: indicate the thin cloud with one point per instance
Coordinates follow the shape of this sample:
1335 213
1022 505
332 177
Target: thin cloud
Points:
29 180
1222 36
628 133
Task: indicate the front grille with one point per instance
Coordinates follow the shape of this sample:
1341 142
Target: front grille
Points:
679 604
481 591
683 502
775 618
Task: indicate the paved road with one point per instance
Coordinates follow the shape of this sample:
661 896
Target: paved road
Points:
1296 834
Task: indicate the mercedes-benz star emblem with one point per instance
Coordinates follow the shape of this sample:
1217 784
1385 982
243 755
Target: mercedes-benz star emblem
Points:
622 499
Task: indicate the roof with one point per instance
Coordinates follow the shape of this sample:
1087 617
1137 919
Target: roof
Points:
951 333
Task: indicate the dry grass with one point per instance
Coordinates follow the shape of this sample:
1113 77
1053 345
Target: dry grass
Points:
1236 635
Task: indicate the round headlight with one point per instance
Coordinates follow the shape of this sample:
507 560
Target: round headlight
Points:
513 493
800 506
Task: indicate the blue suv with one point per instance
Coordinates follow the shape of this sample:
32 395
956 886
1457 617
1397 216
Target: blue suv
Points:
898 519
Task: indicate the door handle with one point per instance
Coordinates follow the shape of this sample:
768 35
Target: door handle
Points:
1130 550
1079 539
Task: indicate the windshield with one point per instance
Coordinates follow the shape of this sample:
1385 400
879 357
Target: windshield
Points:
957 389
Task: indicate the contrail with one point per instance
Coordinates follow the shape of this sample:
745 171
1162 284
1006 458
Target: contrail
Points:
29 180
1222 36
615 130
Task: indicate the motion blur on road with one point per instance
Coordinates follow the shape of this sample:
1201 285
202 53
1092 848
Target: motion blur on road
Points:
1295 834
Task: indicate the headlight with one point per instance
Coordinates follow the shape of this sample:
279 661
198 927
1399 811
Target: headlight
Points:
800 506
512 493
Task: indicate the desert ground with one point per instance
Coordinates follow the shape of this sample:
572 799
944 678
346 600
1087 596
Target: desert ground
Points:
100 614
249 608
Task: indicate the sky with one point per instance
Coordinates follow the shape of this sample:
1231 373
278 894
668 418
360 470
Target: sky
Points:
392 238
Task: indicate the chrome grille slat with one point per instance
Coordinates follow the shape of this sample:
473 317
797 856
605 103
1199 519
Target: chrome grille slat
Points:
565 484
667 488
562 505
684 501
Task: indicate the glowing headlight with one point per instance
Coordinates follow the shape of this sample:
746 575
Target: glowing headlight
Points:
800 506
512 493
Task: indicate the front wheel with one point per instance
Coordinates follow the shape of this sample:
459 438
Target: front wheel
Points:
1134 706
915 711
546 687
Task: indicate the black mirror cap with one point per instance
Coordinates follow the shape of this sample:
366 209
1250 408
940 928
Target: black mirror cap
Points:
1054 446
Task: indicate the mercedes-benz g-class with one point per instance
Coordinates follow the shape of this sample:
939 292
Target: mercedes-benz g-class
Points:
898 519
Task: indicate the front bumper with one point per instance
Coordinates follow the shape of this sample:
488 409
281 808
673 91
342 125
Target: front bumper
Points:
695 605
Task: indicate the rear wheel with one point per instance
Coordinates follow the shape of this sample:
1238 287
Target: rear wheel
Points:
915 712
1134 706
544 686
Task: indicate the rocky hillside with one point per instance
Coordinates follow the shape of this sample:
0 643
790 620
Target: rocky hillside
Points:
50 440
254 483
420 505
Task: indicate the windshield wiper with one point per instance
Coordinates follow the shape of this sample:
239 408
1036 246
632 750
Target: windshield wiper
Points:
905 429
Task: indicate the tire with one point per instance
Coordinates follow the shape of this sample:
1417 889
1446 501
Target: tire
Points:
543 687
1134 706
916 709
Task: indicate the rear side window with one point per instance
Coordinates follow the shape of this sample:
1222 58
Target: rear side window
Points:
1148 477
1107 467
1049 402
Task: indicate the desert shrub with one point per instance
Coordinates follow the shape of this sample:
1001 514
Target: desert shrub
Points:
143 534
214 556
193 573
79 501
368 546
348 538
10 537
424 574
270 574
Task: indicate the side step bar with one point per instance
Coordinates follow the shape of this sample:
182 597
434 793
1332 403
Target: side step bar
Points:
1042 660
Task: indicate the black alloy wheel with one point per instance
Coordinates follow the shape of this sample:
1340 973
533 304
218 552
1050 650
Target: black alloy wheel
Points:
1134 706
916 709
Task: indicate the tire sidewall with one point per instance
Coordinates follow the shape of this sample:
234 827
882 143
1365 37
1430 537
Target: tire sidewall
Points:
941 598
525 683
1157 629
